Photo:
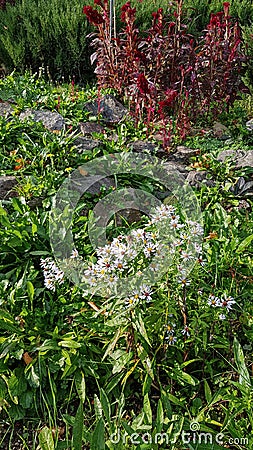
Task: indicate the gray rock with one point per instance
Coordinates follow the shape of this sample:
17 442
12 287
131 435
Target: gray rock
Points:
6 109
172 165
87 128
220 131
249 125
142 146
83 144
198 177
7 185
241 158
111 110
185 153
53 121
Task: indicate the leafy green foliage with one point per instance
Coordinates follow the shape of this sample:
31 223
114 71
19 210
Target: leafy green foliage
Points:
72 367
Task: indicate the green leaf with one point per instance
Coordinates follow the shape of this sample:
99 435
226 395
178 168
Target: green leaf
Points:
98 407
80 385
140 326
46 439
112 344
34 228
78 428
105 405
159 416
30 290
98 437
69 343
244 377
208 392
32 377
241 247
147 409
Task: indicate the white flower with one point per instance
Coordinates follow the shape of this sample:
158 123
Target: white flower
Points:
170 328
227 302
213 301
186 331
104 263
131 302
186 256
171 339
74 254
105 251
49 283
119 265
52 273
201 261
146 292
184 281
150 247
222 317
138 234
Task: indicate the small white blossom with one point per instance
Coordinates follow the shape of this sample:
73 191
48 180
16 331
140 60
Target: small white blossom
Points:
213 301
186 331
145 293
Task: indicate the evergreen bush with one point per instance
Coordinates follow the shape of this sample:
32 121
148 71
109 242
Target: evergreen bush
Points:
49 33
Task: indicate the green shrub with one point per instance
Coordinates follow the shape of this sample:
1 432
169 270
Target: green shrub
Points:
52 33
49 33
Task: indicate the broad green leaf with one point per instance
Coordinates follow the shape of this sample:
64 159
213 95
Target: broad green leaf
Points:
30 290
129 372
208 392
98 407
34 228
80 385
159 416
147 409
244 244
112 344
46 440
78 428
69 343
105 405
140 326
98 437
244 377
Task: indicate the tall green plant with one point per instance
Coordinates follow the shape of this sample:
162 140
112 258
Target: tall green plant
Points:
49 33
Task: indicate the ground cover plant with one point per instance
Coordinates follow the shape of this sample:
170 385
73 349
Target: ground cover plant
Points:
167 364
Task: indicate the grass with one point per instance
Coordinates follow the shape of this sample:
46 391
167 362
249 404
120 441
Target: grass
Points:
79 370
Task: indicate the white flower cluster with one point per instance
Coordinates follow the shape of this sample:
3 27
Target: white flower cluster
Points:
164 235
225 302
52 274
170 333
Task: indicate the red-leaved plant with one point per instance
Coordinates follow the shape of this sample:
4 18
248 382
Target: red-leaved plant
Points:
166 74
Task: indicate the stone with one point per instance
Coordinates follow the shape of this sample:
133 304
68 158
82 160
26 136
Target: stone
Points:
185 153
87 128
84 144
249 125
7 185
220 131
142 146
6 109
51 120
111 110
172 166
241 158
196 178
